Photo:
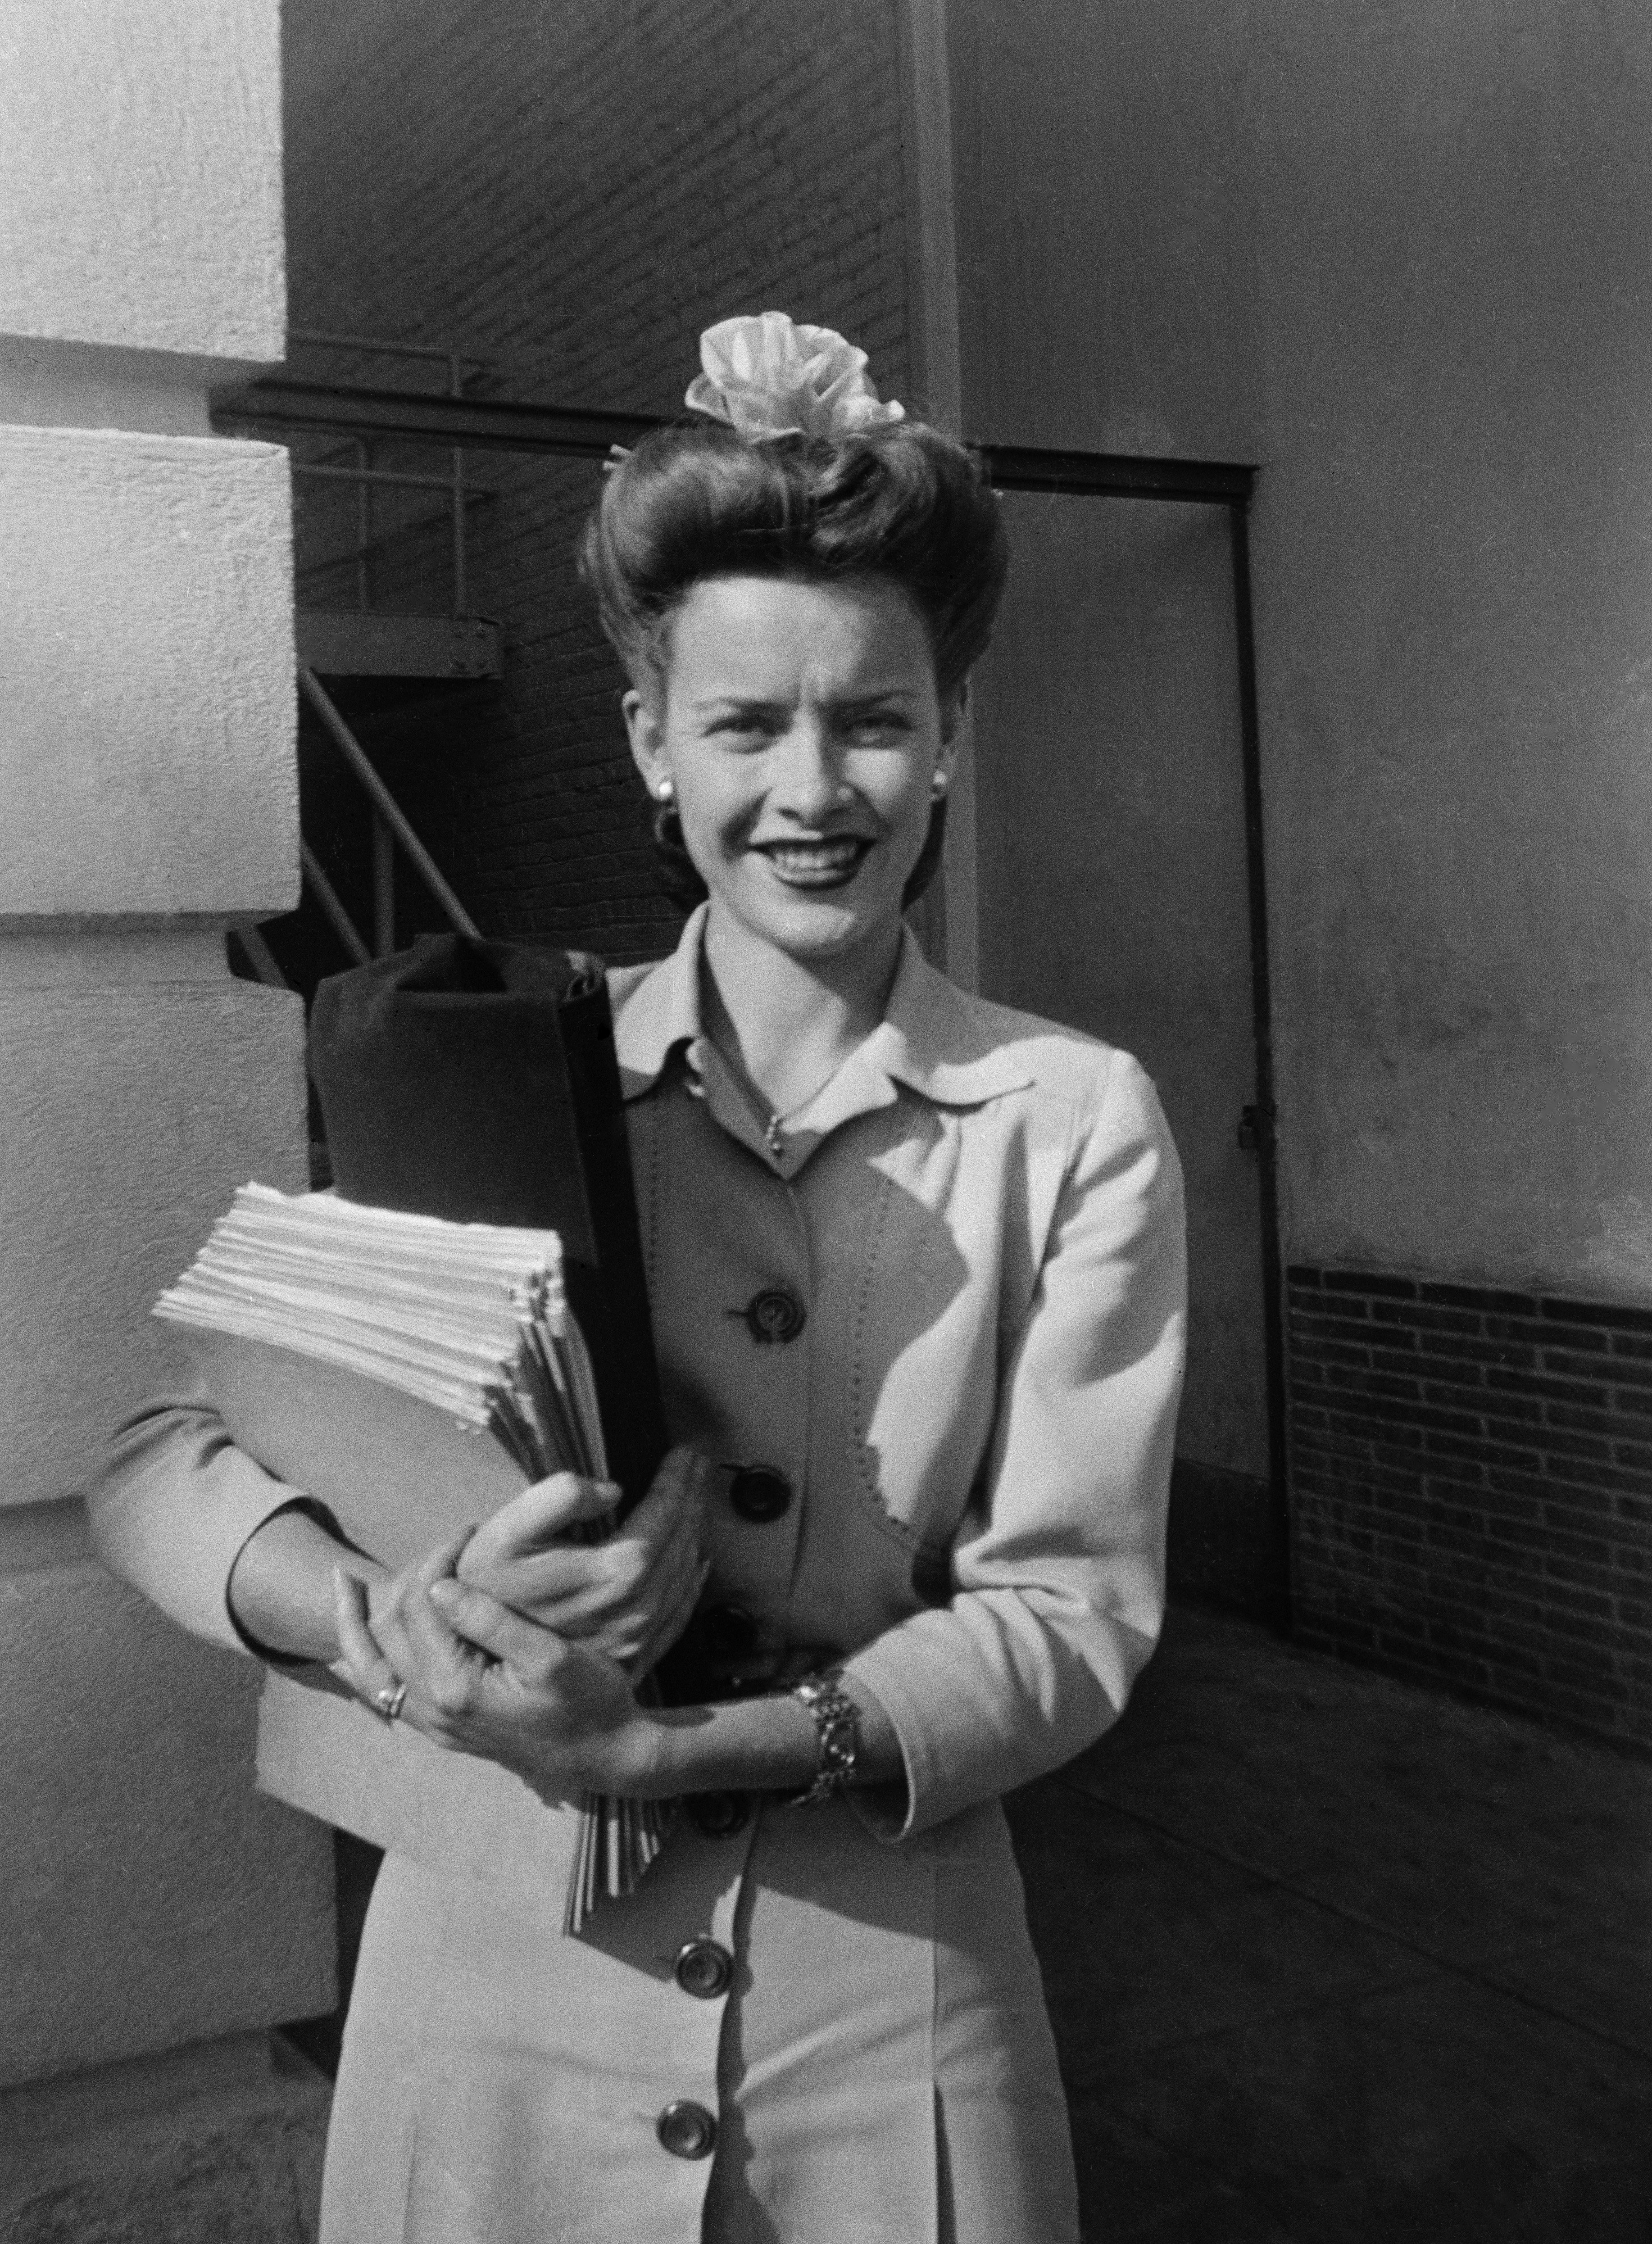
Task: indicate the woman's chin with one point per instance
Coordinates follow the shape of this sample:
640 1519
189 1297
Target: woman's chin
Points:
815 920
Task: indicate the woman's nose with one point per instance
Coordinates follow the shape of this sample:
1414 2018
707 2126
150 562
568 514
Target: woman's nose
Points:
809 782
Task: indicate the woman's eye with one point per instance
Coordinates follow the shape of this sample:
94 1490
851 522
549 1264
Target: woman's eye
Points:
887 725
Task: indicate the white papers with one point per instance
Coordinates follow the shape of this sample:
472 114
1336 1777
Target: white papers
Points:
411 1374
468 1318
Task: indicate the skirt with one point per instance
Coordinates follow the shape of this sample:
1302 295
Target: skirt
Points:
793 2033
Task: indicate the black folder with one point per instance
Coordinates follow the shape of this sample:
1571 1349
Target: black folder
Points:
477 1081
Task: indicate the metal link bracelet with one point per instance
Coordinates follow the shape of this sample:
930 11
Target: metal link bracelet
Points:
838 1727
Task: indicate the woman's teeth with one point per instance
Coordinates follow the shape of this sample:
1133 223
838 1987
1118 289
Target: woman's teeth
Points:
822 861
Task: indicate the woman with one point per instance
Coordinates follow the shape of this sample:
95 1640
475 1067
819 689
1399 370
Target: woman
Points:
916 1269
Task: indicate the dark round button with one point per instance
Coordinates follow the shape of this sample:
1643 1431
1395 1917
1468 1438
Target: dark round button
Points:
686 2130
760 1494
719 1815
774 1316
704 1967
728 1632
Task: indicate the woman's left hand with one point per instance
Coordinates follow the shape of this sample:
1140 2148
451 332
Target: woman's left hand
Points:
482 1679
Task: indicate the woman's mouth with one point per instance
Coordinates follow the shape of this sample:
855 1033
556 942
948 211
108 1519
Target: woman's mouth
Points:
816 864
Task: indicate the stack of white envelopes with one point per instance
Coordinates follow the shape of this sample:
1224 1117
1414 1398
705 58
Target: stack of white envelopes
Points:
411 1375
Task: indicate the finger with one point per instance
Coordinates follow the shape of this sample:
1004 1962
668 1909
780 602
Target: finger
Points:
482 1620
444 1559
683 1469
672 1566
673 1620
543 1579
356 1644
675 1501
449 1666
365 1669
683 1479
409 1653
611 1590
548 1508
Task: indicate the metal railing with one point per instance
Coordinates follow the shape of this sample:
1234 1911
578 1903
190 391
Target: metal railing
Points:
391 827
349 460
358 469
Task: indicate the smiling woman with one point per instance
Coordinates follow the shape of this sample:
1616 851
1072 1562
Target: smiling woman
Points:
798 616
805 745
915 1279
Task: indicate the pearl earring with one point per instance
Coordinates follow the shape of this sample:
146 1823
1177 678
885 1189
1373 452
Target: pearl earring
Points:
938 783
665 791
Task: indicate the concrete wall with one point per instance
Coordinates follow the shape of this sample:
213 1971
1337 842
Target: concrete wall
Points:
140 174
159 1915
1393 255
572 194
165 563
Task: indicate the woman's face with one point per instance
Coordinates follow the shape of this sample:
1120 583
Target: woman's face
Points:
802 730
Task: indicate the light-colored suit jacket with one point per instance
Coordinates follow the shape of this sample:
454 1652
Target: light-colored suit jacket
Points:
944 1308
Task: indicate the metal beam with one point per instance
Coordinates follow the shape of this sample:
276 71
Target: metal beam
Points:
487 424
366 643
1116 475
404 416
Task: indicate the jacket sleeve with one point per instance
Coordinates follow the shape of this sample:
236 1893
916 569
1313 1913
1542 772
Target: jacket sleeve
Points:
1058 1571
172 1504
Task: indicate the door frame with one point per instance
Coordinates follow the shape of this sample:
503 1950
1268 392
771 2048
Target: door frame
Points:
1229 486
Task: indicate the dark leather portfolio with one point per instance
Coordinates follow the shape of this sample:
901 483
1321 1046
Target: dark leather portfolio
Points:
477 1081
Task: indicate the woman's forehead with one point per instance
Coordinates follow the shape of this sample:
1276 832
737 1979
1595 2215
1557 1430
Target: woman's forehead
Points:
764 636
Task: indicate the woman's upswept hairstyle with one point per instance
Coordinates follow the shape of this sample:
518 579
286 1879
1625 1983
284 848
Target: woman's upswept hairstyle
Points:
901 502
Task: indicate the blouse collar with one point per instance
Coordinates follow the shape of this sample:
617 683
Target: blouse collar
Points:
933 1039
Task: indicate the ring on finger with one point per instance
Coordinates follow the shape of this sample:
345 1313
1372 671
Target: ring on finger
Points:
389 1700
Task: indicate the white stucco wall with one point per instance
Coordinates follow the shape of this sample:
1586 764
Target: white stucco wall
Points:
140 174
1395 257
130 1111
1454 539
146 762
159 1917
185 1905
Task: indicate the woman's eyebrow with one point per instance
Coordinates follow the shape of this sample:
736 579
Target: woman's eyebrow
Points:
879 697
736 705
754 705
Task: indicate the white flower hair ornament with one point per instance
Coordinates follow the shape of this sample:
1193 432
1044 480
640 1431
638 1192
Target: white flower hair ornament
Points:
767 376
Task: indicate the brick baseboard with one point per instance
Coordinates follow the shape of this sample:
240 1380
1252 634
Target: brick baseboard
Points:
1470 1476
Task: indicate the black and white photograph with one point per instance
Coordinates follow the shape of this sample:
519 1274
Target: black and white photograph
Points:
826 1087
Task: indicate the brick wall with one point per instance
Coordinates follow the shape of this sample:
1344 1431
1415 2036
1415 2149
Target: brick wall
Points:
1472 1490
572 194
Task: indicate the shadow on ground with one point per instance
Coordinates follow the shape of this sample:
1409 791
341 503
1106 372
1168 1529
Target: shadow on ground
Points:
1332 1958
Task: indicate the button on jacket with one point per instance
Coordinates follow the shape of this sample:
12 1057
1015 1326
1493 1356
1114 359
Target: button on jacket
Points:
930 1334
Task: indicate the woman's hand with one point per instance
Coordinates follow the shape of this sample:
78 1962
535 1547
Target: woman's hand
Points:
629 1597
483 1679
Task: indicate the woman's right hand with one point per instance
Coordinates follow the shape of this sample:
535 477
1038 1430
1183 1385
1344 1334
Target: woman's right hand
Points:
563 1717
629 1597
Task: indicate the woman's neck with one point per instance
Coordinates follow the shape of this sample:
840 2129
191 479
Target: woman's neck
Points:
789 1024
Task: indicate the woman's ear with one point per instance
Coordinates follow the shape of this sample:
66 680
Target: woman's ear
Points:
643 723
